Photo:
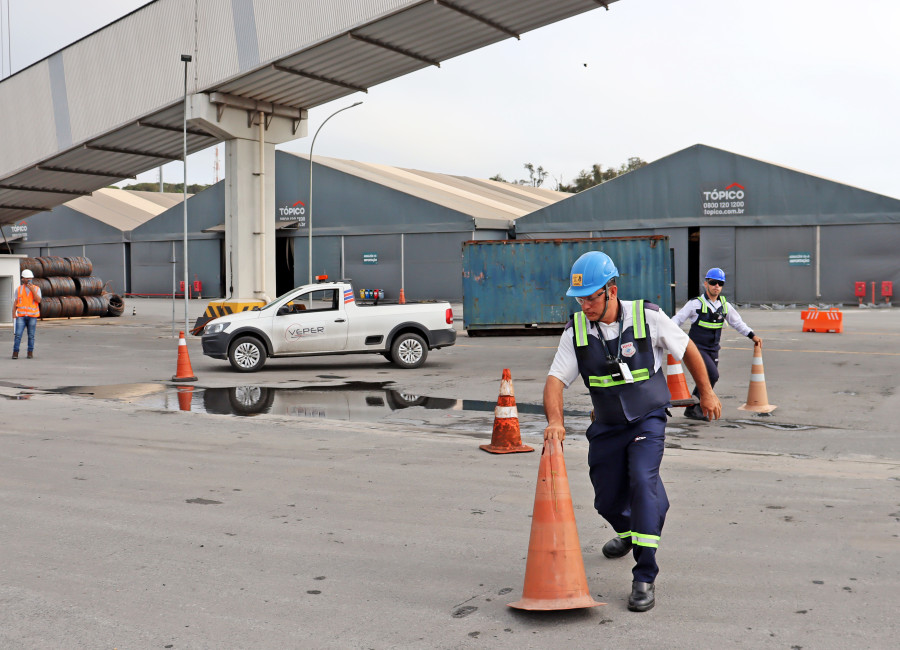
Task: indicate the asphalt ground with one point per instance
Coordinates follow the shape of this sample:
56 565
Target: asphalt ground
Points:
128 523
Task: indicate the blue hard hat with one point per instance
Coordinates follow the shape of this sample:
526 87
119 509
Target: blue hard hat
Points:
715 273
590 273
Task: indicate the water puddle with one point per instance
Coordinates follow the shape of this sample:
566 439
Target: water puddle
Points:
353 401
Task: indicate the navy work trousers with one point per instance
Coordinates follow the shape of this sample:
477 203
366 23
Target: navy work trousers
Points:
628 492
711 361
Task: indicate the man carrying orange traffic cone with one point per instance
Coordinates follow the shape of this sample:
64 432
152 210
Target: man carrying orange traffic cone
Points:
618 347
708 314
506 437
183 370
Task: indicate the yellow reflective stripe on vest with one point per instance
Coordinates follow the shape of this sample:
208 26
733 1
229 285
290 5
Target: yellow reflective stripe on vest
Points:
637 319
606 381
581 329
711 326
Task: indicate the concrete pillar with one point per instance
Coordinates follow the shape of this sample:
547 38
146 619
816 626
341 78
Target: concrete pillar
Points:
249 185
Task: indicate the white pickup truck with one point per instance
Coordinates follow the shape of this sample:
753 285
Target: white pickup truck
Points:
324 318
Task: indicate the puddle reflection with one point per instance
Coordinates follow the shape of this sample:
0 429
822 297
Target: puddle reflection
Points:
354 401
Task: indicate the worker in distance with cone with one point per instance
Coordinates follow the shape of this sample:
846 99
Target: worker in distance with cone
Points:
618 347
708 314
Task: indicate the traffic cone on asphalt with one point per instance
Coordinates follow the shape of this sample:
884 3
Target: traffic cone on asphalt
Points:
678 389
506 438
554 571
757 399
183 371
402 299
185 394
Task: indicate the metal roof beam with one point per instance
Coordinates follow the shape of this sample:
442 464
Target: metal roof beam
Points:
130 152
30 208
478 17
397 50
23 188
178 129
316 77
86 172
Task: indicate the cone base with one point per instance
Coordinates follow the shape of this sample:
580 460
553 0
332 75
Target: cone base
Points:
176 378
505 450
548 604
765 408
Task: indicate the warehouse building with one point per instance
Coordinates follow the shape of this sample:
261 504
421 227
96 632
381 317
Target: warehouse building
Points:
96 226
383 227
782 236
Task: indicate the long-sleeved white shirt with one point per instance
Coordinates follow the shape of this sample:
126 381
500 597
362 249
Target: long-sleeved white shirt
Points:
688 313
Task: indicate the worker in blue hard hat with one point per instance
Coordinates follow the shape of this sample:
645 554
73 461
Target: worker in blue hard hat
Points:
708 314
619 347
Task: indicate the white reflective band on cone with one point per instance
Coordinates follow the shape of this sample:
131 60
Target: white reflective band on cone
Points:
506 412
757 377
675 370
506 388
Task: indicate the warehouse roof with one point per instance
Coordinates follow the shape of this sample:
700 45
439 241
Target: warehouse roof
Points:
124 209
490 203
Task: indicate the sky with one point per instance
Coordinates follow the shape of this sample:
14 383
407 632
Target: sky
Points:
808 84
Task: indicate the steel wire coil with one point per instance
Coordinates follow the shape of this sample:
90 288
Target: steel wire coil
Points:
50 307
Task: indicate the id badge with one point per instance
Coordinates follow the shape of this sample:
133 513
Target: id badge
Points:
615 371
626 372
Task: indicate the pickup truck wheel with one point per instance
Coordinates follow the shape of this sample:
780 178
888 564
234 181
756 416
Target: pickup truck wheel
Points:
409 351
247 354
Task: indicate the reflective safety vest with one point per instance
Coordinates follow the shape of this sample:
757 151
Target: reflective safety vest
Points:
616 401
707 329
26 305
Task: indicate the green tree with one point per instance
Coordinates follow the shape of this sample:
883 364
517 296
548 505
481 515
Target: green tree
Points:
597 175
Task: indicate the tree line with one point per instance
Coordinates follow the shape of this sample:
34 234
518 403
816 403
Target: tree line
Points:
192 188
586 178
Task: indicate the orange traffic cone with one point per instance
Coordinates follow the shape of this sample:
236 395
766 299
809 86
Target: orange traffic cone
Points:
506 438
554 571
185 394
678 389
183 371
402 299
757 399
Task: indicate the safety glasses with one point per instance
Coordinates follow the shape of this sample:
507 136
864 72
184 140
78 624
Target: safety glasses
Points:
715 283
580 300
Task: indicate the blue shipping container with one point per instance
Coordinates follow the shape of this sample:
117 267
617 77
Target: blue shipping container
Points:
513 284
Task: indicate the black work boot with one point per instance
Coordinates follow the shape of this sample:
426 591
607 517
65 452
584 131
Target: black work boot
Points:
15 354
642 597
617 547
694 413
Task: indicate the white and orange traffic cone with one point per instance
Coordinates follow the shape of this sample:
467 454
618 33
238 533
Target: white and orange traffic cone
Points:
402 299
506 437
678 389
183 371
554 570
757 399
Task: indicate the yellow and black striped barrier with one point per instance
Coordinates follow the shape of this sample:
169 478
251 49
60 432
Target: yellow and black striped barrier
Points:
219 308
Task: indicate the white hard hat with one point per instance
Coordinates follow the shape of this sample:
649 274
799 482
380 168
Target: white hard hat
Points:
27 274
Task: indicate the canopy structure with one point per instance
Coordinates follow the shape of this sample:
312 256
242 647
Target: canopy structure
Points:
109 106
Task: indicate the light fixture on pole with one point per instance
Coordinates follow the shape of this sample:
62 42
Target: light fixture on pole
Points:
186 58
309 204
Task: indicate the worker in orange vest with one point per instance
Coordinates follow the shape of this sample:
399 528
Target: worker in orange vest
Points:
26 310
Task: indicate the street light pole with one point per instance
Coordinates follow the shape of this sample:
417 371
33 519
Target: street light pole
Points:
186 58
309 205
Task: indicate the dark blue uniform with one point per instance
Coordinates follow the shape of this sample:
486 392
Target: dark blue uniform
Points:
627 435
